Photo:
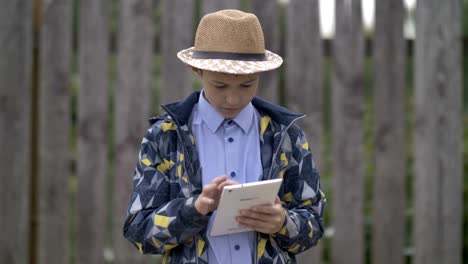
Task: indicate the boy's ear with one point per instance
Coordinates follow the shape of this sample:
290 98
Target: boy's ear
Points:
199 72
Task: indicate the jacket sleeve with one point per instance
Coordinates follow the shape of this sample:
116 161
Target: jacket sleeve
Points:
155 223
303 200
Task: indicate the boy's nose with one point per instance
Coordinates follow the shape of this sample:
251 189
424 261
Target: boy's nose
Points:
232 100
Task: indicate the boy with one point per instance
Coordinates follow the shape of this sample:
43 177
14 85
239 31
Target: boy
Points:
221 136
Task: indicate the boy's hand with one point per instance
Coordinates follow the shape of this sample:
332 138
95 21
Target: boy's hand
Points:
267 219
226 183
208 200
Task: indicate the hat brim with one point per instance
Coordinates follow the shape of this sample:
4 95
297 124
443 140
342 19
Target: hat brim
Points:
272 62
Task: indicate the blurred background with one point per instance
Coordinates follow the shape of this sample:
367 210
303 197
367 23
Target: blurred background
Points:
381 82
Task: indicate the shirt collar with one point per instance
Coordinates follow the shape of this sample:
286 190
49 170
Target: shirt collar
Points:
245 117
208 114
213 119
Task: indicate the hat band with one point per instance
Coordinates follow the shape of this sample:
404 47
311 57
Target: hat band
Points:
229 56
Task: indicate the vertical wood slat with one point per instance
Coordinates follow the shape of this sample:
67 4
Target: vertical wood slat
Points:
438 133
390 137
15 129
131 112
209 6
92 131
54 131
268 14
304 81
347 125
177 34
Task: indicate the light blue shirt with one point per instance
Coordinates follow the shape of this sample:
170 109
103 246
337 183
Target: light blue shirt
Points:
232 148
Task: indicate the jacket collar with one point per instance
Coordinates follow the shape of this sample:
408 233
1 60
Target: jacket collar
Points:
181 111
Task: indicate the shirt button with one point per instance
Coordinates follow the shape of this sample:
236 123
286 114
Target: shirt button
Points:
236 247
230 139
233 174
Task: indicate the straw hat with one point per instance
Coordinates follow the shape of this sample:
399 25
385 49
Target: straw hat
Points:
230 41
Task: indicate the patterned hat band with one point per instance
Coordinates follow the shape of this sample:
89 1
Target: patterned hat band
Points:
230 41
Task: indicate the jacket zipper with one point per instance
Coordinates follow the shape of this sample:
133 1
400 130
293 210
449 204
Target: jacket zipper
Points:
279 144
271 169
179 134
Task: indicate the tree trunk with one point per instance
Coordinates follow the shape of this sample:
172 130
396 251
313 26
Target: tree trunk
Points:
15 129
132 112
438 128
92 131
390 137
347 135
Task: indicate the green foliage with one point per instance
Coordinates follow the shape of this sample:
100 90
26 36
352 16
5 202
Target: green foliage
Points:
465 188
465 18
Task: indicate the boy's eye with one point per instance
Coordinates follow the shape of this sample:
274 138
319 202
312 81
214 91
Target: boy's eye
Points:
219 86
246 85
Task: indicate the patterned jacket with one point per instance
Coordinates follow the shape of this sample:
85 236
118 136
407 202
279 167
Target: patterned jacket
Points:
161 217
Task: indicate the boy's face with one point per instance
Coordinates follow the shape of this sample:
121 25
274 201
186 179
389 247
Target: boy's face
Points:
228 93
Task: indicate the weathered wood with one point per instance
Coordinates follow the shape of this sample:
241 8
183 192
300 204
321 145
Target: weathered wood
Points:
15 129
131 112
216 5
438 167
92 131
304 81
268 13
347 135
177 34
390 137
54 124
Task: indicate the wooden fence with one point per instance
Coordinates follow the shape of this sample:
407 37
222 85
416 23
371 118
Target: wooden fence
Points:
45 160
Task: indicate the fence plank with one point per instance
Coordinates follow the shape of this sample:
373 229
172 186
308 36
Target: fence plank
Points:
177 34
304 80
15 129
92 131
215 5
390 137
347 124
54 124
132 111
268 13
438 133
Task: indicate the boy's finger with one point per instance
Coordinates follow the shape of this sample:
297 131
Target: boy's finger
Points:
207 201
277 200
219 179
210 190
208 187
226 183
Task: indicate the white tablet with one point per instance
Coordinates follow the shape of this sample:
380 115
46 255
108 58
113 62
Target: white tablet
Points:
242 196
